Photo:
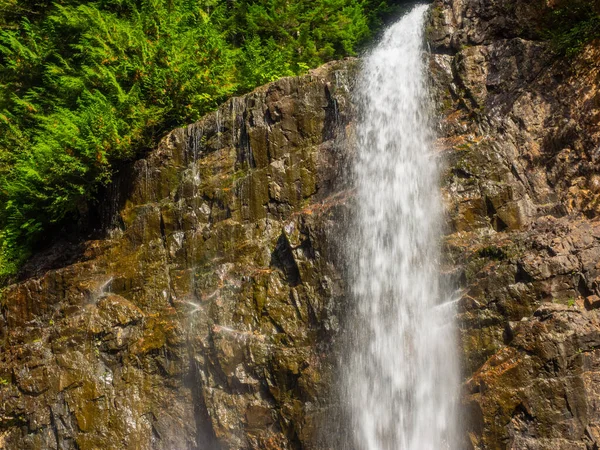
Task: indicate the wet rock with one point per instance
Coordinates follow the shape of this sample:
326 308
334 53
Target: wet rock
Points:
521 138
206 317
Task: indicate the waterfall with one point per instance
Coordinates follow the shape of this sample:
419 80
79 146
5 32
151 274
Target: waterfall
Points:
401 381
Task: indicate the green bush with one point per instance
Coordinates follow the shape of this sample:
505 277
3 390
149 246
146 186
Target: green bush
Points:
85 86
574 24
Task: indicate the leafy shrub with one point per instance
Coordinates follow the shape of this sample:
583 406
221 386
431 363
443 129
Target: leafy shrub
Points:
574 24
85 86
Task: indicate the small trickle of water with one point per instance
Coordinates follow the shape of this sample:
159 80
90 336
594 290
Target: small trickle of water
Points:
402 373
197 136
218 121
102 290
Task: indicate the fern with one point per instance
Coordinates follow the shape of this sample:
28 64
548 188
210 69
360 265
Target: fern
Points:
85 86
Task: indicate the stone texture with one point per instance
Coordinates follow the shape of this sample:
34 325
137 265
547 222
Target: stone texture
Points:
208 315
520 131
205 317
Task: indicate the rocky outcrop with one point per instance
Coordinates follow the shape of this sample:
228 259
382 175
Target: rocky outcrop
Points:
204 319
207 316
520 129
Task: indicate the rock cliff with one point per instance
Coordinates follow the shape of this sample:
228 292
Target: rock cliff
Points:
520 130
207 314
204 317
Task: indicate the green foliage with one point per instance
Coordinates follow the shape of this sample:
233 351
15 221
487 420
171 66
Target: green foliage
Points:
573 25
85 86
492 252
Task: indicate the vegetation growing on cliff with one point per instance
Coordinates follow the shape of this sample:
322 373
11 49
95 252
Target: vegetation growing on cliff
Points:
573 24
87 85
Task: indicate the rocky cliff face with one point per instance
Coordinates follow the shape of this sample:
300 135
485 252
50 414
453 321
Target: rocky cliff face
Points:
205 318
520 130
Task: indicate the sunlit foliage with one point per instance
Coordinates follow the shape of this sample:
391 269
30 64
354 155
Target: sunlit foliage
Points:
85 86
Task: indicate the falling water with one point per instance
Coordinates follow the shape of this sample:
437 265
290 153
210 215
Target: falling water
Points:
402 379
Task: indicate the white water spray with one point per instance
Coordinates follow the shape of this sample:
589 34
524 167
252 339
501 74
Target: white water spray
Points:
402 380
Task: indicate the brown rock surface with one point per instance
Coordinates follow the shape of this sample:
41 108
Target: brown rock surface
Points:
520 128
205 318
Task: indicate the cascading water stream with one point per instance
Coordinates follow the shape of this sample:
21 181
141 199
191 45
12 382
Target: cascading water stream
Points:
402 372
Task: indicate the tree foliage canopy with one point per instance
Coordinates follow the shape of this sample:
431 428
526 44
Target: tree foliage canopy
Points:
86 85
